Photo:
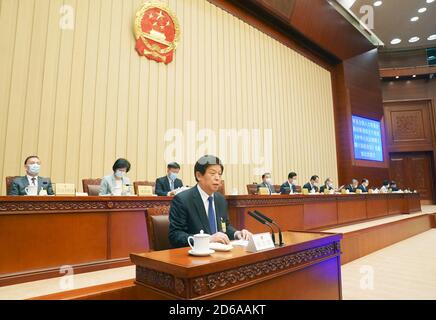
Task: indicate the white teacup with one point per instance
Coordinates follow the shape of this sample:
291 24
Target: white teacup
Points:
201 242
31 190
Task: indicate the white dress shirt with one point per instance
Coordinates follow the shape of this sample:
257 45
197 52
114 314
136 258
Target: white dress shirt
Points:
29 178
205 198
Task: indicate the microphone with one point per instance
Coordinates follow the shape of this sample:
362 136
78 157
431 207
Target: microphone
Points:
281 243
255 216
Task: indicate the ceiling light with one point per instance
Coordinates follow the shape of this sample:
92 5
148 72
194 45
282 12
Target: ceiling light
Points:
413 39
414 76
414 19
396 41
430 1
397 77
432 37
378 3
422 10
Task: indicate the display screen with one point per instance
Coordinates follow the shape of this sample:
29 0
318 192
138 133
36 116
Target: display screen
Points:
367 139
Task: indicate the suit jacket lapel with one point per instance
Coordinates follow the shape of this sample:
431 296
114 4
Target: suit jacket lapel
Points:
167 183
218 211
201 212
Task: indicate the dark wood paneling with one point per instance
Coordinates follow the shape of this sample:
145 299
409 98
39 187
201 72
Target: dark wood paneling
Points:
319 214
377 206
357 91
322 24
351 210
409 125
414 170
403 59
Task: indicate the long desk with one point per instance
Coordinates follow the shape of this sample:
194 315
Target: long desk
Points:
38 235
307 267
313 212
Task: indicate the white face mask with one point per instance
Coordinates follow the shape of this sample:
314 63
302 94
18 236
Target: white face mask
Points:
294 182
119 174
34 168
268 180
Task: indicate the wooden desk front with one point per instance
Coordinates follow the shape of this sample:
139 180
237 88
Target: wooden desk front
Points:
307 267
311 212
38 235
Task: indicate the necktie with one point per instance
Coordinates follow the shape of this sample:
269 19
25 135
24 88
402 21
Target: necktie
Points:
171 185
211 216
33 181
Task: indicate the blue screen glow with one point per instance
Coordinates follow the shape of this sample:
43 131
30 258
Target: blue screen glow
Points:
367 139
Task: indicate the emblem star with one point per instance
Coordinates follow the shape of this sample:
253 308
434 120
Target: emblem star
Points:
160 15
150 16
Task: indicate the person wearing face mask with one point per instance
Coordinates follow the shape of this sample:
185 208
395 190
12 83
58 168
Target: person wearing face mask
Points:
32 165
313 184
328 185
353 186
266 183
364 185
290 186
115 183
167 185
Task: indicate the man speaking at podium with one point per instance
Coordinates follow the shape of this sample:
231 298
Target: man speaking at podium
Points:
203 208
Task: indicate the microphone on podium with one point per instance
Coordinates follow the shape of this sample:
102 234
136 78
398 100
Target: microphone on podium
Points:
269 220
263 221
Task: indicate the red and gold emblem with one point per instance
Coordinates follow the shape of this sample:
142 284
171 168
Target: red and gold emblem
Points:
157 31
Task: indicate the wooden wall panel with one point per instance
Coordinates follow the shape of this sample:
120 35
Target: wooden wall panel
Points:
82 98
409 125
357 92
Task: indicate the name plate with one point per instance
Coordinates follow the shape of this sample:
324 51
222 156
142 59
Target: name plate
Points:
145 191
263 191
65 189
259 242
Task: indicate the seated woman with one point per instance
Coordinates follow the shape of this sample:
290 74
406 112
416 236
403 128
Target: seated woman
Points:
117 184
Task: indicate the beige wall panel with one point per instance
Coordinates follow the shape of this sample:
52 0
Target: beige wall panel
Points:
81 98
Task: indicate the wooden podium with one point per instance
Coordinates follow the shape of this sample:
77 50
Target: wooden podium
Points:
306 267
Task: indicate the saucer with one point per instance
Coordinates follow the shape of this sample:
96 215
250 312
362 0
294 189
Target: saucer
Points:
201 254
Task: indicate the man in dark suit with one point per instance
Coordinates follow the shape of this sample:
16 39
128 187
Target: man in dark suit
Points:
266 183
312 185
167 185
364 185
353 186
289 186
393 186
202 208
32 165
328 185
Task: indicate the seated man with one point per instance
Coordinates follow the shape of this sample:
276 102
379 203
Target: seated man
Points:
203 208
353 186
266 183
167 185
394 186
364 185
32 165
385 187
289 186
313 184
328 185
